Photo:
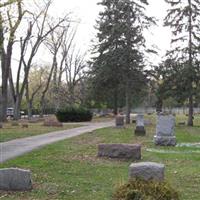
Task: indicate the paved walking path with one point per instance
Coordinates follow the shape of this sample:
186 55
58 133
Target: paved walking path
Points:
14 148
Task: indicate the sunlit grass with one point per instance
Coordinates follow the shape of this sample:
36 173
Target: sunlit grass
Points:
9 132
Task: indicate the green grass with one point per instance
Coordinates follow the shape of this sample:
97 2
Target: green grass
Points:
10 132
70 170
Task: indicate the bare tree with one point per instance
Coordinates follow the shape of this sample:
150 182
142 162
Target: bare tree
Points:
59 44
43 28
34 86
9 2
11 25
74 69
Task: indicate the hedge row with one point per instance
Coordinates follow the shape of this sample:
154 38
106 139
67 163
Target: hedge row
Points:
72 114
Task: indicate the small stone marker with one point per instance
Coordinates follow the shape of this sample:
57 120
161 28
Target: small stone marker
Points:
119 121
14 179
1 125
147 122
120 151
165 130
147 171
15 123
53 123
140 130
24 125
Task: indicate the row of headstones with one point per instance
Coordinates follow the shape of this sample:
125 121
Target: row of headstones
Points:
14 179
141 170
47 122
19 179
164 128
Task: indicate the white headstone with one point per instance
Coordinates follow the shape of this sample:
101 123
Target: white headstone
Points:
140 130
140 120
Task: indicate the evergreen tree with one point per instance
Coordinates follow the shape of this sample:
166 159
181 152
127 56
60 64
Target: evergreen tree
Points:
184 18
119 63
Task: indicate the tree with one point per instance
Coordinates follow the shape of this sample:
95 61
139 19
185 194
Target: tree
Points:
67 64
121 46
35 83
9 25
74 70
166 82
183 18
59 44
38 29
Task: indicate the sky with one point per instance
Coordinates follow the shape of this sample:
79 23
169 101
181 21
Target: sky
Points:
87 12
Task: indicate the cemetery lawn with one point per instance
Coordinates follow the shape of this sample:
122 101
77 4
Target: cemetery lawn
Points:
70 170
10 132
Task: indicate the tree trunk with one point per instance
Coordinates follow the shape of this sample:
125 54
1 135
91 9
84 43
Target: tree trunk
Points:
17 106
128 104
71 95
159 105
42 103
4 100
190 114
190 70
30 109
6 62
29 102
115 102
55 81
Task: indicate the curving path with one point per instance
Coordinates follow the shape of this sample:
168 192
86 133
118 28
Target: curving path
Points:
14 148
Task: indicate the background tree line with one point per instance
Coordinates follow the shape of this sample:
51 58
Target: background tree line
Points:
24 31
119 73
119 70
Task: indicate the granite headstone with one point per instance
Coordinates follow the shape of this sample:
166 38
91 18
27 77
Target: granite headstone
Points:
14 179
147 171
165 130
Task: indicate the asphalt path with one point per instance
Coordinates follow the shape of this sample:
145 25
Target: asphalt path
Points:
18 147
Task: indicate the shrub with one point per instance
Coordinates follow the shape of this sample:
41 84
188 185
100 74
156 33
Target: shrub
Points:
145 190
73 114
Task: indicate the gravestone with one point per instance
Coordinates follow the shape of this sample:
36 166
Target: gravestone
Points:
14 179
52 123
147 122
119 121
120 151
15 123
147 171
140 130
24 125
165 130
1 125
